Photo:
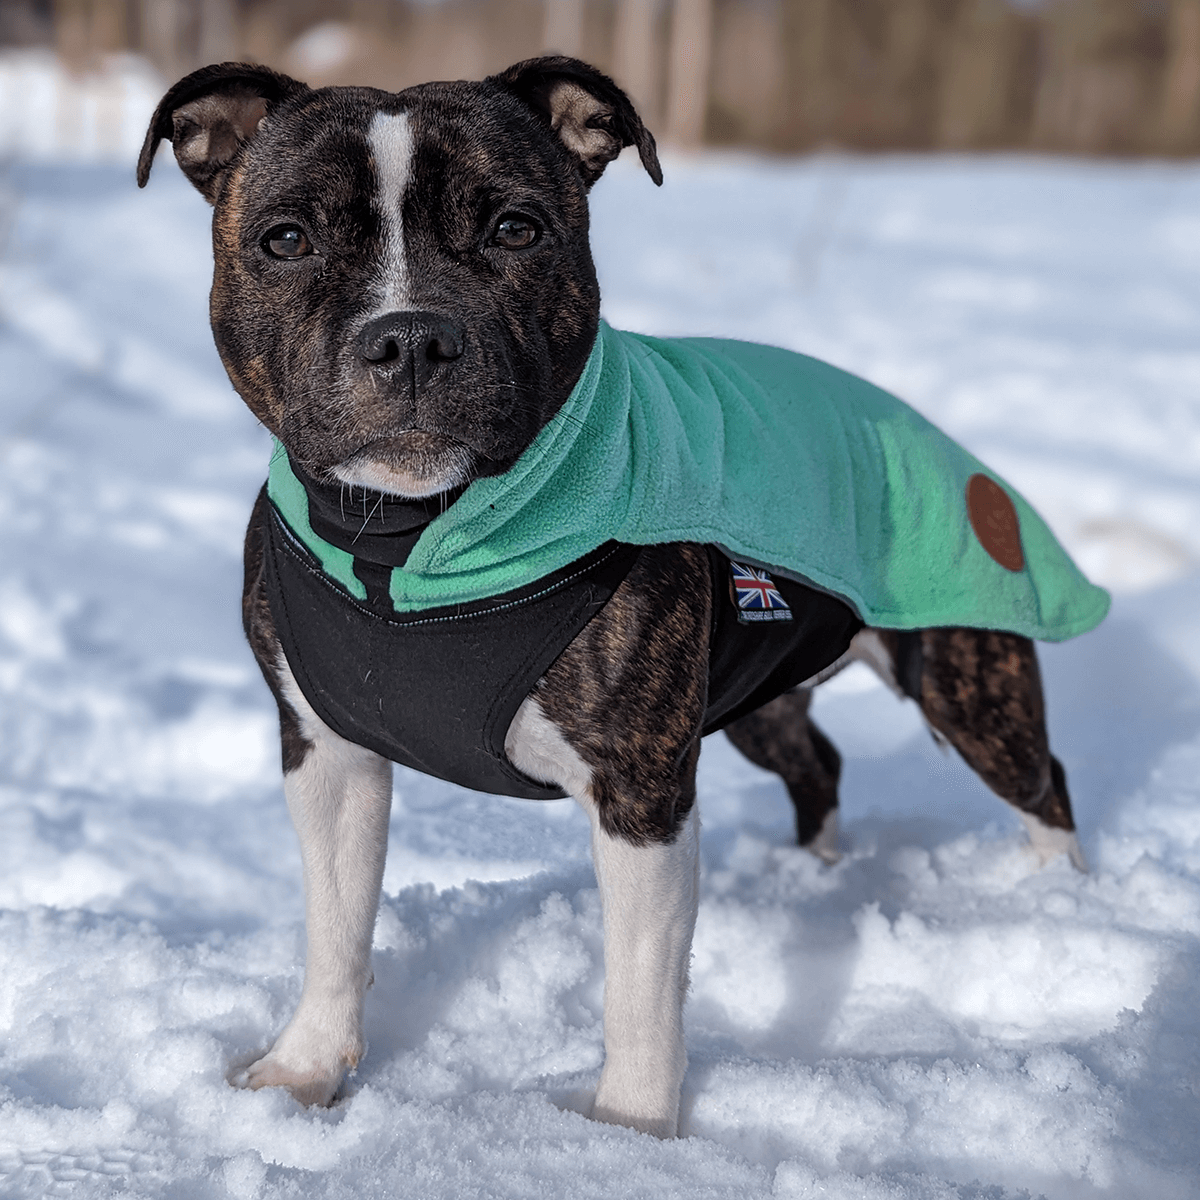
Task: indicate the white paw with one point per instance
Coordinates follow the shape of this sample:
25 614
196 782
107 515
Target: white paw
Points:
825 844
1047 843
644 1095
303 1062
306 1085
659 1126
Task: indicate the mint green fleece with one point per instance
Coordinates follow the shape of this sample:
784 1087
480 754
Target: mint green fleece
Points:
781 460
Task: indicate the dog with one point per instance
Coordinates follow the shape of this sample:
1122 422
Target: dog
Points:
404 296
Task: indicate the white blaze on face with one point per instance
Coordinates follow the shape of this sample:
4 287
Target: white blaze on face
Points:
391 141
415 462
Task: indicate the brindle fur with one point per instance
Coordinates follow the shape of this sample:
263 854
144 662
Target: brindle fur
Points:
978 689
260 633
287 332
629 693
982 691
781 737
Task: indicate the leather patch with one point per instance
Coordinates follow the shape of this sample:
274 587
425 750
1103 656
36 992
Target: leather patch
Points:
994 519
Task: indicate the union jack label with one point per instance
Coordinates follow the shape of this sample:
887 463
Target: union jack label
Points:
755 596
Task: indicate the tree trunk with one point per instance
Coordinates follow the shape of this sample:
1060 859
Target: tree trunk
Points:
634 59
563 31
688 72
1181 82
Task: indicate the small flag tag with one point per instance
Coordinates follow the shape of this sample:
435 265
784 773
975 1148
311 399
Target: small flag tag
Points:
755 596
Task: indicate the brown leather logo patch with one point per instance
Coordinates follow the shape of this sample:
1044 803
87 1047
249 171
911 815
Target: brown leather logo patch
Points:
994 519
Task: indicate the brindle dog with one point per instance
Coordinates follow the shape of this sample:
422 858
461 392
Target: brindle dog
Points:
404 295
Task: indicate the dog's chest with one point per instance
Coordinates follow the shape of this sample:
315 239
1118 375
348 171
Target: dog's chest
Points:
435 691
438 691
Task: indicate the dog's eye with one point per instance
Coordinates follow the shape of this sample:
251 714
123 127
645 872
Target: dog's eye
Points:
287 241
515 233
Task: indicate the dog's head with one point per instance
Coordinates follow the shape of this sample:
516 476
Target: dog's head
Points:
403 290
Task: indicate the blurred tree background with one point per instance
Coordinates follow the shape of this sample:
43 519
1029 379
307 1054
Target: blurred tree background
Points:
1080 76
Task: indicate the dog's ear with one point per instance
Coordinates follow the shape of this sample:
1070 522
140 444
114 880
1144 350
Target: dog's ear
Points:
591 115
209 116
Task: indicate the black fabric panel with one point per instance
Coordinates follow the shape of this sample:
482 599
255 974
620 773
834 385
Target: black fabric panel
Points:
910 663
370 525
750 665
438 690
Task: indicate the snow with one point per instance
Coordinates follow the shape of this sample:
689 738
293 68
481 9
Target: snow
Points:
931 1018
94 111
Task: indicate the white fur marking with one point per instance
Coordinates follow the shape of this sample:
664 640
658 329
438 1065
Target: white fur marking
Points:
825 844
649 895
391 141
339 799
1048 842
535 745
454 468
867 647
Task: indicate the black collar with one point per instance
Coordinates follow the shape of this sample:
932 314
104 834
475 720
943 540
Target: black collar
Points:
370 525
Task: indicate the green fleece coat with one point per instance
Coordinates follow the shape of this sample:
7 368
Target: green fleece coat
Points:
782 461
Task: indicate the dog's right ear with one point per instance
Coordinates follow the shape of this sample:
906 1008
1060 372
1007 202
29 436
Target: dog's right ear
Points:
209 116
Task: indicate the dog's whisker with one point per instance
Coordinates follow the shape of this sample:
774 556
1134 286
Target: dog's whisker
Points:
378 505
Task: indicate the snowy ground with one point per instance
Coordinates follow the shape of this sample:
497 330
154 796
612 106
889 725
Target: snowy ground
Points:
932 1018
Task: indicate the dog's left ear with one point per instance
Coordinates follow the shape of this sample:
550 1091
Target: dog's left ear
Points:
593 118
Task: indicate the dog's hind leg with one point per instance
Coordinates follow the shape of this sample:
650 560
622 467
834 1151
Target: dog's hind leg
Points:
982 691
781 737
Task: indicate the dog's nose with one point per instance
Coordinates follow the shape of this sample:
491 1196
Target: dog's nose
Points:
417 337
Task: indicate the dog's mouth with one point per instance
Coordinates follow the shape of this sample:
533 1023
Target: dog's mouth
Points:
413 464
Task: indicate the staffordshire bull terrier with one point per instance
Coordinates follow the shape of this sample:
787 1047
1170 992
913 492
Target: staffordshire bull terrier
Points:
405 297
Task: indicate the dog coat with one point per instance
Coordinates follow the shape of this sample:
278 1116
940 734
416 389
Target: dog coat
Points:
784 462
437 690
824 501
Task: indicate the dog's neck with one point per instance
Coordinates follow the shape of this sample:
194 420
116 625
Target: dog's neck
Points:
370 525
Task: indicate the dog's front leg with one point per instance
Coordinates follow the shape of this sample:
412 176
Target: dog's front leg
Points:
339 796
616 723
649 898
